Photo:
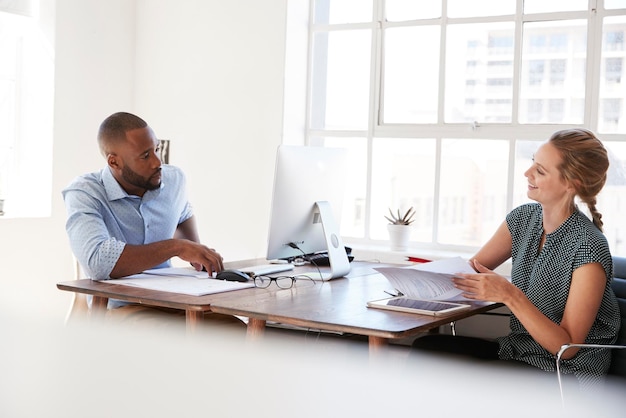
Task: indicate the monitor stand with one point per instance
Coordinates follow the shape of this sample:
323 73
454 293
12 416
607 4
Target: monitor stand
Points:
339 263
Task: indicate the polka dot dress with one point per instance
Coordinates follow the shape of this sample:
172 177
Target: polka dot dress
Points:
545 278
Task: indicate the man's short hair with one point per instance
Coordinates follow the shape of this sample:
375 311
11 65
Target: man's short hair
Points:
113 129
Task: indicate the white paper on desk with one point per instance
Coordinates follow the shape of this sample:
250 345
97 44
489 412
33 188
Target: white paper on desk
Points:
178 271
180 284
430 281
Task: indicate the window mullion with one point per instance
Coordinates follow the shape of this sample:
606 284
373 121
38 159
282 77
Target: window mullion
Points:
594 57
436 191
309 77
442 63
375 106
517 62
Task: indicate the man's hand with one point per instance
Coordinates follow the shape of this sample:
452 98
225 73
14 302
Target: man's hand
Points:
201 257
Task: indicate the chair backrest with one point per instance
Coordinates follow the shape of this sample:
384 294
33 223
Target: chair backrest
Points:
618 362
79 306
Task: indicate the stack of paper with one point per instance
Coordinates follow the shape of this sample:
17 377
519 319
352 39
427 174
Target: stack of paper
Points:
186 281
430 281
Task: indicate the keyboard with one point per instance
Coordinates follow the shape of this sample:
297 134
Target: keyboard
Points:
264 269
322 260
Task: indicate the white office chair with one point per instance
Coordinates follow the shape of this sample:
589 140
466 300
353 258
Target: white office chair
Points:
618 355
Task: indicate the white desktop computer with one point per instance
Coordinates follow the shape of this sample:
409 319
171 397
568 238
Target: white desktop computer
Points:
306 207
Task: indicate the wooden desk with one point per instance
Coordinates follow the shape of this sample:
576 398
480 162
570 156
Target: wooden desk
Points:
338 305
194 306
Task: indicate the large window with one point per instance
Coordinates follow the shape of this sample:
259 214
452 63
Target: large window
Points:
441 106
26 110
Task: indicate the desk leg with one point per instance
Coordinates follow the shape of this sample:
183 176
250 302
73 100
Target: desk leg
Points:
256 328
99 306
192 318
377 344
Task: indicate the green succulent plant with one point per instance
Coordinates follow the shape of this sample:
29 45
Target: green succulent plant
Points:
398 219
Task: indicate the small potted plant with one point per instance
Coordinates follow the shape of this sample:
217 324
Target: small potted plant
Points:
399 228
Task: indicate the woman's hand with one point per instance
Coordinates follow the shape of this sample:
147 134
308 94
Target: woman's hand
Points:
485 284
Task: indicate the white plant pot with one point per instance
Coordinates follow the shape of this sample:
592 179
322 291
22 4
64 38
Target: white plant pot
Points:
399 236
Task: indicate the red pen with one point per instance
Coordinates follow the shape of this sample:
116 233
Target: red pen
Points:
418 260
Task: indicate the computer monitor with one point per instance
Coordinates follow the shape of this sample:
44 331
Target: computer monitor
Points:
306 206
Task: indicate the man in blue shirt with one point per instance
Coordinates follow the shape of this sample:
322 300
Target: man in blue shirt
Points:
134 214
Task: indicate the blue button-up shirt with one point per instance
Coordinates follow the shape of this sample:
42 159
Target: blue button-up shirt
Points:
103 218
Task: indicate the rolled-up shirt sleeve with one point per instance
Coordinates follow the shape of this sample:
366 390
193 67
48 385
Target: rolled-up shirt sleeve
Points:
95 248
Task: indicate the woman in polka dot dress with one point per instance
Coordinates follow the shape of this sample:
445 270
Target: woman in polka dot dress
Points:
560 289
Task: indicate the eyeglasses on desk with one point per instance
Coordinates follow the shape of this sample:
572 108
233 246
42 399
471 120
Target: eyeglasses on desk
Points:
283 282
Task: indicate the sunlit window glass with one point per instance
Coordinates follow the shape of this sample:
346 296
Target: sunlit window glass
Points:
473 190
524 151
411 75
615 4
342 11
353 210
398 10
26 112
9 53
612 108
479 73
403 176
341 74
465 8
612 199
543 6
552 86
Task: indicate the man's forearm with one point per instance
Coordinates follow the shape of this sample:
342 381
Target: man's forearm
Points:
137 258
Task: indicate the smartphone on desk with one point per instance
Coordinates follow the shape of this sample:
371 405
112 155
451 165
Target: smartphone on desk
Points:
423 307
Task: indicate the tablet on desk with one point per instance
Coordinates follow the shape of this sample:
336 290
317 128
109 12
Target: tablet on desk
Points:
424 307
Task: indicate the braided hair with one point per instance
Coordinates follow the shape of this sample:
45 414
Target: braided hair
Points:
584 164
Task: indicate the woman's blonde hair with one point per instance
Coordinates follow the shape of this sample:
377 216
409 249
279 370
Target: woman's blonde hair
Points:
585 164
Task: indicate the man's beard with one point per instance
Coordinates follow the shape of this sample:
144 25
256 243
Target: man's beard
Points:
138 181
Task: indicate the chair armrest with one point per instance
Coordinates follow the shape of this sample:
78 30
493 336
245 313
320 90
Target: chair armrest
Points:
566 347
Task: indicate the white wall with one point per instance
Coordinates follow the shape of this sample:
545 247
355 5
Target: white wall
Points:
210 78
206 74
